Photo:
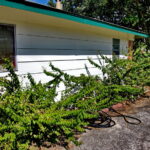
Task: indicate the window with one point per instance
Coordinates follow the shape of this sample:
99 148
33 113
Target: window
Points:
116 47
7 43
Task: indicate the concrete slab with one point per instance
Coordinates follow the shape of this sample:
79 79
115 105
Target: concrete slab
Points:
122 136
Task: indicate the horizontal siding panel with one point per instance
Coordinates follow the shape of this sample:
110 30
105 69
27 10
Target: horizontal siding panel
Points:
43 30
71 38
63 65
55 31
48 58
41 76
94 46
36 42
42 51
55 43
3 74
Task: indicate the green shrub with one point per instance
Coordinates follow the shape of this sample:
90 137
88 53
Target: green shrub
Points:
29 115
135 72
10 83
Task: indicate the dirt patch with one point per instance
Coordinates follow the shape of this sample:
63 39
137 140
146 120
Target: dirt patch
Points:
133 107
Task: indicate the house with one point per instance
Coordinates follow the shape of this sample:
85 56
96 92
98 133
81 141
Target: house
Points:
32 35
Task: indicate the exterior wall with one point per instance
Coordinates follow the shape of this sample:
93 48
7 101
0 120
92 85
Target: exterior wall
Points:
38 45
41 39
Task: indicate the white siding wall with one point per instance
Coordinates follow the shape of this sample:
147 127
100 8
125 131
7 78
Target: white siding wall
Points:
67 44
37 45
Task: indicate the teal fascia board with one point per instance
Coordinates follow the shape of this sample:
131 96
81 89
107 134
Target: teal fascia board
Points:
70 17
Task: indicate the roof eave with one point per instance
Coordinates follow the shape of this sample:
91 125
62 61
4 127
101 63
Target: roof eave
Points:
42 9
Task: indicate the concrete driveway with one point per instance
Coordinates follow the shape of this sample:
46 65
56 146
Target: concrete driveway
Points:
122 136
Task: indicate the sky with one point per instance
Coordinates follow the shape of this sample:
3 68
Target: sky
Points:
40 1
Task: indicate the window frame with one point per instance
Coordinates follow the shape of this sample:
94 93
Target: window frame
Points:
14 46
113 44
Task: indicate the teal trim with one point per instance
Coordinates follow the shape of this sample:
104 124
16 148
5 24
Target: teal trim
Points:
70 17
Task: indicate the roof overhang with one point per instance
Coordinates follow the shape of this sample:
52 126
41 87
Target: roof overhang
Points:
45 10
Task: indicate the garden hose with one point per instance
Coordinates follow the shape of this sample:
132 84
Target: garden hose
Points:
106 121
126 117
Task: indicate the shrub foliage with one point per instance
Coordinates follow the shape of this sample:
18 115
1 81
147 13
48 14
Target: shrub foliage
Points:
30 115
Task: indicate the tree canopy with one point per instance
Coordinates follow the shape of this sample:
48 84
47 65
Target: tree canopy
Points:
131 13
